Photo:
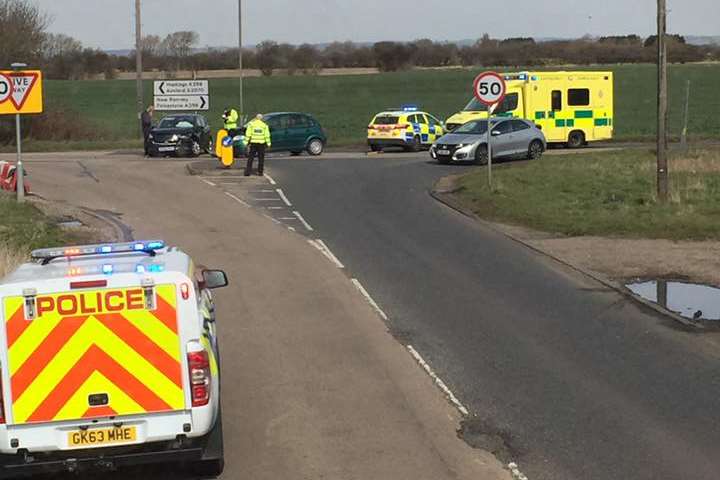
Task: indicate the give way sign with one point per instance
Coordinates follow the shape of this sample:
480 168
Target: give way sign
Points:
20 92
489 88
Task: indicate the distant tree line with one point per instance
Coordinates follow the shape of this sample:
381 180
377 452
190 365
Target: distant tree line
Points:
24 37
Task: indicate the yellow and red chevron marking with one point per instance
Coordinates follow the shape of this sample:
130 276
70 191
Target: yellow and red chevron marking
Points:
56 362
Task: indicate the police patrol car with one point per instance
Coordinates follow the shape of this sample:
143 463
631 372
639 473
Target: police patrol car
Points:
109 358
406 127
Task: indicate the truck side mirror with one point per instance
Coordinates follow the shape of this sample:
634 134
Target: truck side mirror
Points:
215 279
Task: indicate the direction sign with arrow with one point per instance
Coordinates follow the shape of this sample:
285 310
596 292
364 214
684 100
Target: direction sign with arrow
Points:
182 102
181 87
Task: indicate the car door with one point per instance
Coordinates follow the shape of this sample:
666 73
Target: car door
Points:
299 129
436 128
502 139
278 132
522 136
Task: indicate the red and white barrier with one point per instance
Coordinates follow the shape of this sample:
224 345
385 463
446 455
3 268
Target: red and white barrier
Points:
8 178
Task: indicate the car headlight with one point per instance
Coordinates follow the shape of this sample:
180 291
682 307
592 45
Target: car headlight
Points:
174 138
151 136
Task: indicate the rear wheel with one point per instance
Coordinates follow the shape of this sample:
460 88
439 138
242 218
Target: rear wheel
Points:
415 144
209 149
535 150
481 155
315 147
376 148
576 139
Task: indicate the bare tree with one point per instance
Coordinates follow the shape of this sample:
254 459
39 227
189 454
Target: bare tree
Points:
179 46
22 30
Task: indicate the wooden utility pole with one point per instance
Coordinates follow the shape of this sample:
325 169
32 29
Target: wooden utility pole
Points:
138 61
662 163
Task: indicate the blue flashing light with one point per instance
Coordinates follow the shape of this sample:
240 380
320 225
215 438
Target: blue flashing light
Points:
155 245
107 269
409 108
522 76
139 246
534 78
156 268
140 269
106 249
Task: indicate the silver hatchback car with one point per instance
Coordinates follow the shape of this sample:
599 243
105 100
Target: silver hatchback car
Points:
511 138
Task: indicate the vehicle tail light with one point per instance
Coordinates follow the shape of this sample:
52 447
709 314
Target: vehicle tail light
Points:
185 291
200 379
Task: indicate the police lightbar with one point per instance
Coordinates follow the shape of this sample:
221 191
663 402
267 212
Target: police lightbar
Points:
409 107
146 246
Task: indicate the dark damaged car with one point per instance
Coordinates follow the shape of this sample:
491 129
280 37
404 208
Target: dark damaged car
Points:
186 135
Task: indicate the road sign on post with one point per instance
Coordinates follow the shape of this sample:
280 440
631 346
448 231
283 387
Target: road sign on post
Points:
179 95
20 94
490 89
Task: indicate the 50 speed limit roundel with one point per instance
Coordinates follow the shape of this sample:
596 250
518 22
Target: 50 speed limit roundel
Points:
489 88
5 88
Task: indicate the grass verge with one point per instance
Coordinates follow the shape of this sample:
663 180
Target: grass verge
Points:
23 227
602 194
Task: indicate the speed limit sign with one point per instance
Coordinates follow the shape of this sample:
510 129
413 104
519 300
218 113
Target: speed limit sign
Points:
5 88
489 88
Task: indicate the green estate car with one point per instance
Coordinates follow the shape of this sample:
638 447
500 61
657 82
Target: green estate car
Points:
290 132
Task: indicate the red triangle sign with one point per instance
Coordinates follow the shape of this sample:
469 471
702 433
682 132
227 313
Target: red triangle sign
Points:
22 85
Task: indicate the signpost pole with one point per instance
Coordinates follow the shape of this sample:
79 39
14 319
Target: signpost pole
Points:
489 147
19 170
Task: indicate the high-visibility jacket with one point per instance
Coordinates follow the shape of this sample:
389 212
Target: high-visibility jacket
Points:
258 132
231 119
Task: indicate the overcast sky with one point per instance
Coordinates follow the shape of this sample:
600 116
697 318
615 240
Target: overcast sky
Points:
108 24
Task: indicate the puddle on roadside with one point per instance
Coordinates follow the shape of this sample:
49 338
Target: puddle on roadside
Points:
693 301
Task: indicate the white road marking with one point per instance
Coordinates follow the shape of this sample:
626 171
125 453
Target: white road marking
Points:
284 198
515 471
266 199
370 300
237 199
262 191
270 179
448 393
303 221
209 182
320 245
276 208
289 219
275 220
292 229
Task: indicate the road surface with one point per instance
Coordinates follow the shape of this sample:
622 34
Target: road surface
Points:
313 384
567 378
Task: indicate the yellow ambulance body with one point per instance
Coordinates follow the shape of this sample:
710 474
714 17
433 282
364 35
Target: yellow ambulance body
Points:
570 107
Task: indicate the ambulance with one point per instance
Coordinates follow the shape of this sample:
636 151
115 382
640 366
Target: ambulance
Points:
571 108
109 358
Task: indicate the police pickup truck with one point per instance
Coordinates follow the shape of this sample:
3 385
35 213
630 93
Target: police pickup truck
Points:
109 358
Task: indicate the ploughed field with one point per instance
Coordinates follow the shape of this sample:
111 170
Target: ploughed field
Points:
345 104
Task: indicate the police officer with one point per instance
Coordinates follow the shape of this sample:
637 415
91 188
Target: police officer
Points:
146 119
230 118
258 138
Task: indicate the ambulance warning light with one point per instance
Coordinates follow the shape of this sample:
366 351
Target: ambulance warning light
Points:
48 254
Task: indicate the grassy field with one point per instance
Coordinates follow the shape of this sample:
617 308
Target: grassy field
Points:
345 104
608 194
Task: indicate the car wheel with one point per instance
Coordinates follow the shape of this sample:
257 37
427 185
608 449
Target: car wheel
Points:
415 145
195 148
315 147
376 148
576 139
210 150
535 150
481 155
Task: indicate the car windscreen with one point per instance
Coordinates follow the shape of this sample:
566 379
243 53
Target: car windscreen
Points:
475 106
477 127
386 120
177 122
